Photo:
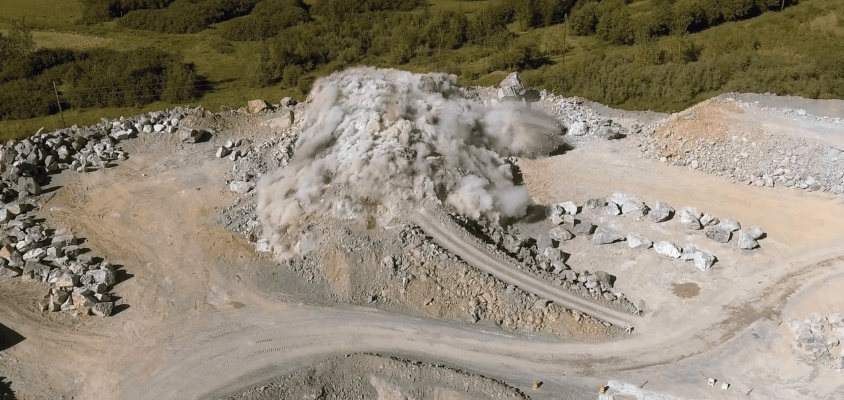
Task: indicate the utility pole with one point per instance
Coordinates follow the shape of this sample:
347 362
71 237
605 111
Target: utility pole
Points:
782 6
59 103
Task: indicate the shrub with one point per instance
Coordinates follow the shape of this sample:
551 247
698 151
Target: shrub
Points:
187 16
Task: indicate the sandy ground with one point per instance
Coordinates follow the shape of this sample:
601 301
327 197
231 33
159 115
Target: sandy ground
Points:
194 322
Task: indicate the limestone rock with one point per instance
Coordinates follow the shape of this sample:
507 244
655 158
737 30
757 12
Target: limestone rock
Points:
703 260
719 235
256 106
605 236
629 204
667 249
746 240
191 135
83 301
569 207
689 251
582 228
281 123
755 232
613 208
661 212
579 128
637 241
729 224
10 272
708 220
559 234
596 203
222 152
103 309
689 217
241 187
514 82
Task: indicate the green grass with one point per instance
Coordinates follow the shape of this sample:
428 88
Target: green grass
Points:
223 63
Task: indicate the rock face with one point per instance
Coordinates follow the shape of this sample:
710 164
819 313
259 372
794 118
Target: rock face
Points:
703 260
719 235
629 204
667 249
637 241
605 236
661 212
746 240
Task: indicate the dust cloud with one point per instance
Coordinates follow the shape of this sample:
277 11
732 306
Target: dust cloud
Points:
379 141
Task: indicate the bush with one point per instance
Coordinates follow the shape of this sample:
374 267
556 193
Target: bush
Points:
187 16
267 19
339 9
96 11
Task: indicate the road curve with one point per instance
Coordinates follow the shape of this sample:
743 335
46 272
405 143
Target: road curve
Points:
444 234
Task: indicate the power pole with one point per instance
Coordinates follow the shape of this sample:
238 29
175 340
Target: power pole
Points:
59 103
782 6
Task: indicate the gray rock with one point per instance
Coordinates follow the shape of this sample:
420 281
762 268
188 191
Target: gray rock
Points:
583 228
613 208
703 260
569 207
637 241
719 235
191 135
514 82
36 254
241 187
629 204
579 128
729 224
122 134
661 212
104 309
222 152
605 236
27 186
10 272
67 279
559 234
708 219
746 240
755 232
543 241
689 217
596 203
689 251
104 276
667 249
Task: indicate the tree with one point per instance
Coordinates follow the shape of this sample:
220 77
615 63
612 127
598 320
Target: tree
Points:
17 44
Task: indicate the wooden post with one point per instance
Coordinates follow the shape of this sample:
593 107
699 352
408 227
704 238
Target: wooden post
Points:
782 6
59 103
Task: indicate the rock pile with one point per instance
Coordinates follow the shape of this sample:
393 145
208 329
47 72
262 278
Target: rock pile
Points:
544 257
756 158
818 338
580 120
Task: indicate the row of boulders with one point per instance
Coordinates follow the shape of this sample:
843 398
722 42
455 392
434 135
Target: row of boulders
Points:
78 281
819 337
544 257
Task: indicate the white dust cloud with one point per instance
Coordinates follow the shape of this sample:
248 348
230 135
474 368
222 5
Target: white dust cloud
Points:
377 139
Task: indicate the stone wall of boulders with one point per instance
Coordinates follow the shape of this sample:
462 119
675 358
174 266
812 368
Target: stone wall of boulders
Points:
30 251
542 257
818 339
755 157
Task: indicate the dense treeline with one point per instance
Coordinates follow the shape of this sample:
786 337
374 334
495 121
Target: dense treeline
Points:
95 78
95 11
267 19
341 8
187 16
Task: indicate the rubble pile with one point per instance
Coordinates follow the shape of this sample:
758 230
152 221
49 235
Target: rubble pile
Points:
818 338
756 158
485 297
542 256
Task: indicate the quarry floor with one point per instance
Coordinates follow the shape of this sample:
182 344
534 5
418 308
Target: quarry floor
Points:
200 323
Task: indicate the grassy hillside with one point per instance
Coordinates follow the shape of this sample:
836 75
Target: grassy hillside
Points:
796 51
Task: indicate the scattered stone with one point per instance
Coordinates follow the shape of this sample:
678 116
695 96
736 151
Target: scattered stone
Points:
729 224
755 232
103 309
241 187
661 212
667 249
191 135
746 240
637 241
689 217
569 207
703 260
708 219
605 236
689 251
630 205
559 234
613 208
719 235
222 152
256 106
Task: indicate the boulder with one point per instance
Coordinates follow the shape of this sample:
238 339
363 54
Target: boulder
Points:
703 260
67 279
514 82
256 106
10 272
613 208
36 254
605 236
637 241
667 249
281 123
719 235
36 271
689 251
661 212
596 203
629 204
755 232
708 220
568 207
690 218
27 186
241 187
543 241
729 224
559 234
63 241
191 135
579 128
222 152
746 240
103 309
122 134
83 301
582 228
104 276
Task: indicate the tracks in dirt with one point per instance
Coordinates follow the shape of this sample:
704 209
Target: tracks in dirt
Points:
445 235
